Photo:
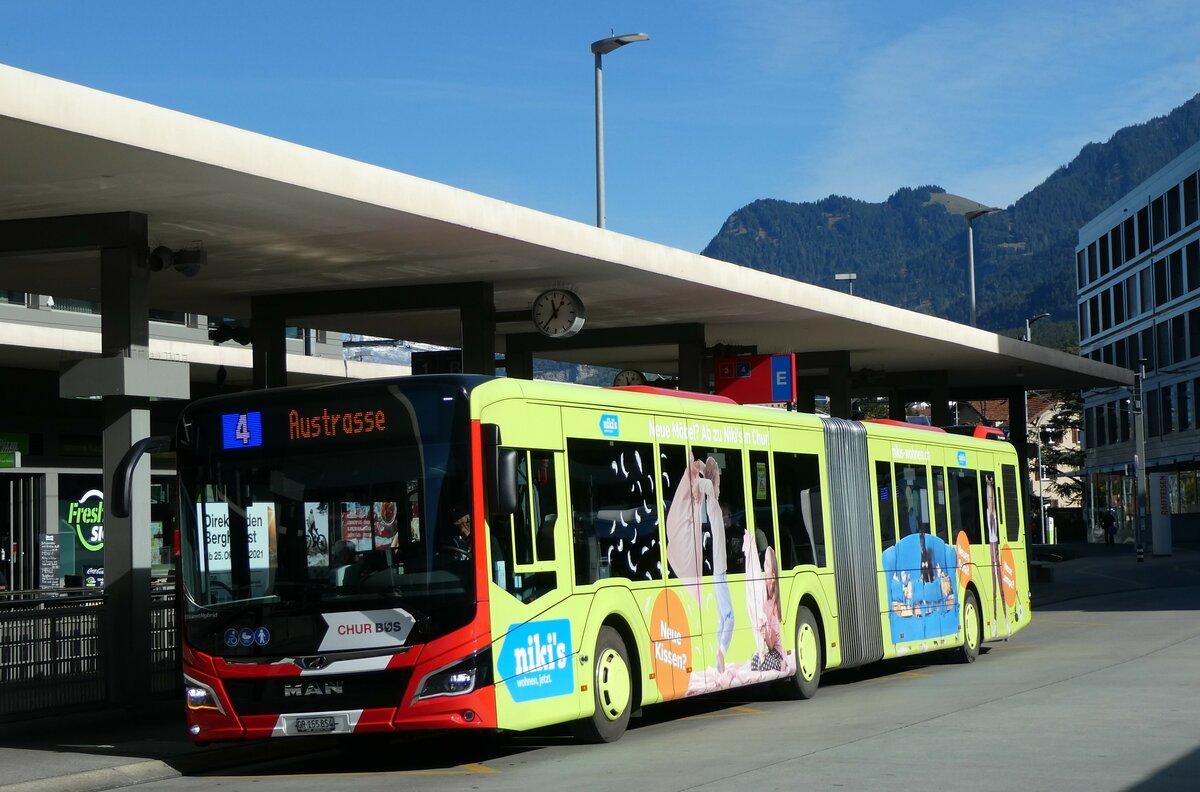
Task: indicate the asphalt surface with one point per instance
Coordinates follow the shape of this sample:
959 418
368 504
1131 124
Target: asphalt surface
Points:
110 749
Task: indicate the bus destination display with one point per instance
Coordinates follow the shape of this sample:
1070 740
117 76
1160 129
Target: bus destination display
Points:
241 430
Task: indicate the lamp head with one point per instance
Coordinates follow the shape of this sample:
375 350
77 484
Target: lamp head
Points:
607 45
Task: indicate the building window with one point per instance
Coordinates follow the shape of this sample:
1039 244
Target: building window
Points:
1176 260
1117 248
1178 338
1167 416
1079 271
1183 405
1189 200
1162 291
1092 258
1158 220
1130 240
1172 211
1147 347
1118 303
1150 403
1103 242
1143 230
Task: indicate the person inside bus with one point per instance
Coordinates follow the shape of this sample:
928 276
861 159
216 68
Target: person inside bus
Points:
460 541
342 567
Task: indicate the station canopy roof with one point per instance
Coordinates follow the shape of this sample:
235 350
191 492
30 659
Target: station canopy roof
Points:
279 218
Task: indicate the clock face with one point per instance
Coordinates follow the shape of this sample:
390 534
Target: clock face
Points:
629 377
558 313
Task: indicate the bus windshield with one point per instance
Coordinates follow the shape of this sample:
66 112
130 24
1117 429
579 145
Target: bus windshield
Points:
306 502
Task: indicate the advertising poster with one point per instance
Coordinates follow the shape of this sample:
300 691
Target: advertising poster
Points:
369 526
316 533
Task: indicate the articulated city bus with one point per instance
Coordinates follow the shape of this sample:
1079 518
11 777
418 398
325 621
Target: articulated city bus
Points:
448 552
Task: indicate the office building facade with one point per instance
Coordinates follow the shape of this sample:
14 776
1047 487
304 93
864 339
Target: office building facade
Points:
1138 275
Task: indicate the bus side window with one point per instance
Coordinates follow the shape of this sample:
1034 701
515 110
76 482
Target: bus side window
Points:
1012 503
887 504
613 510
798 495
964 503
544 495
680 525
760 497
522 540
722 498
912 498
941 523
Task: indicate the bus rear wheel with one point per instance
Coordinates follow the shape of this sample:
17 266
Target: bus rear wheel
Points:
972 629
612 691
809 659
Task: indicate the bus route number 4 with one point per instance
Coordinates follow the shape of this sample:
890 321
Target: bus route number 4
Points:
241 432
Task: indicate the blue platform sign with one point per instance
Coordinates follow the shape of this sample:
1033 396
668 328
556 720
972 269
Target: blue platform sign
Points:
783 372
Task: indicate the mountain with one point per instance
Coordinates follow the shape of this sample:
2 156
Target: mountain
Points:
910 251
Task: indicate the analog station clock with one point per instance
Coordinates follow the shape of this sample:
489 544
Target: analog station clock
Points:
629 377
558 313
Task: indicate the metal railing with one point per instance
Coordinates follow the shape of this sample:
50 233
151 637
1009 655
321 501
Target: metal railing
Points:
52 649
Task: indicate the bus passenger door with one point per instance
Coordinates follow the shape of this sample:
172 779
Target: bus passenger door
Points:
531 622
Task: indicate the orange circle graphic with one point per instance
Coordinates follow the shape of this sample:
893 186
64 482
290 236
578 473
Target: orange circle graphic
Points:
1008 576
672 645
962 551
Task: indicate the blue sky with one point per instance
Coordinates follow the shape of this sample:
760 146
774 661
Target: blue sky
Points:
727 103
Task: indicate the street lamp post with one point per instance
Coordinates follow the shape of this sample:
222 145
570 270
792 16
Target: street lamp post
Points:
600 49
971 215
1030 321
849 277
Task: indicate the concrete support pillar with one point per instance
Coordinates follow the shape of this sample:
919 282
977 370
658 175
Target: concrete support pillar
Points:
477 316
692 376
806 396
267 328
939 402
125 333
518 358
896 405
839 388
1018 435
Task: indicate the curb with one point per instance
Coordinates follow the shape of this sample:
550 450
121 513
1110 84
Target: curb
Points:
142 771
103 778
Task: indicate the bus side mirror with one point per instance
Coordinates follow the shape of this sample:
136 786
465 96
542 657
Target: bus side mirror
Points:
123 475
500 471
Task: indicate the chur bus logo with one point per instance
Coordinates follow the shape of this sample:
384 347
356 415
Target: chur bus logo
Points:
313 689
610 425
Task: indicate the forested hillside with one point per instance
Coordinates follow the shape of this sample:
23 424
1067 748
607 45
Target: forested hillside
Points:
911 252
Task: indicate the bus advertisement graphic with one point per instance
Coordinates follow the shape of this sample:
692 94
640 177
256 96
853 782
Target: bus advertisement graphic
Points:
535 660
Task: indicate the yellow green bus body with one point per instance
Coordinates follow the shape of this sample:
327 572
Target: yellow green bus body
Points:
558 572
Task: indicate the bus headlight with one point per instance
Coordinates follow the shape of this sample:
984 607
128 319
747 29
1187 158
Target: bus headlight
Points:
458 678
200 696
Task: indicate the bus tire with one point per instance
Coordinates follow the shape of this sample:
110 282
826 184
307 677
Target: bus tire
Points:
809 659
612 691
972 629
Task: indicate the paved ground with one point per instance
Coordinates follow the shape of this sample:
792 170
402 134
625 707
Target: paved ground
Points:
113 749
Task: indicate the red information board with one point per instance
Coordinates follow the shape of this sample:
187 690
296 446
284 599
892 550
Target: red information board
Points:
757 379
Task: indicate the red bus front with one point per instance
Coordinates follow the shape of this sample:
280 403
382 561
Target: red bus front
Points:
328 561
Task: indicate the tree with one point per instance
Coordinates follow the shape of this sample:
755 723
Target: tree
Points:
1063 461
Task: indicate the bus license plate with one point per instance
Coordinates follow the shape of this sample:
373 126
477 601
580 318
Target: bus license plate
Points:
315 725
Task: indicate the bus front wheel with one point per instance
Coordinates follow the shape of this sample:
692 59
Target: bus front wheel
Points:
612 691
809 659
972 629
